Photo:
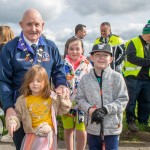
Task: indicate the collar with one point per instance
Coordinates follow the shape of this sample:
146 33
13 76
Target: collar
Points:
76 37
105 40
41 42
143 41
28 42
24 46
105 71
77 63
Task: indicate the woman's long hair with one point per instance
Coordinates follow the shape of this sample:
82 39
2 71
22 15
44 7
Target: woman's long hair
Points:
6 34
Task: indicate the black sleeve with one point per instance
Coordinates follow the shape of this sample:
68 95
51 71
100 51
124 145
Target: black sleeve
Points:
120 54
132 58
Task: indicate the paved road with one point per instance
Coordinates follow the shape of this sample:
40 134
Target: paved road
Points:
61 146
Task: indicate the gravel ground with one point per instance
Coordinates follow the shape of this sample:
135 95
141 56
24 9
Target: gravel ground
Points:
61 146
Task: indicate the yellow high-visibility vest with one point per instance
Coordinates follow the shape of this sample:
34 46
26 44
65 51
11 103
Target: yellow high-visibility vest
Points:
114 40
129 68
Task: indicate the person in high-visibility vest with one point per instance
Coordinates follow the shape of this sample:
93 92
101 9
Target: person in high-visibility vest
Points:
137 77
117 45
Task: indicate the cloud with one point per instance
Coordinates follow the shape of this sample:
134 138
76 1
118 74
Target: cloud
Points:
130 30
12 11
127 18
88 7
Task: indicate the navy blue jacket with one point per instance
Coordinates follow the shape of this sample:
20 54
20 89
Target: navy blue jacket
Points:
13 66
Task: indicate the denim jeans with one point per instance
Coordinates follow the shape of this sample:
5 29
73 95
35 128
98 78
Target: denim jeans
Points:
18 137
95 143
138 90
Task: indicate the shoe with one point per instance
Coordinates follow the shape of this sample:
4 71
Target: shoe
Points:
6 138
132 127
146 128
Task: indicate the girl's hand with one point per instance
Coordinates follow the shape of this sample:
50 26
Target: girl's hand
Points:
59 90
12 128
67 94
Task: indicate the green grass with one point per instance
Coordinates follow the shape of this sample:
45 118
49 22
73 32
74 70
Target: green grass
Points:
60 128
3 119
140 127
133 137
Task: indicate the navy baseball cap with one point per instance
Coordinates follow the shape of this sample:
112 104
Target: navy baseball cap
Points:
102 47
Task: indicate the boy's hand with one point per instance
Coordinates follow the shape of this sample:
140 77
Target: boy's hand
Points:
98 115
91 110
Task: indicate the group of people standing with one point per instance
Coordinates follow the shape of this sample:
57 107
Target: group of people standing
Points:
90 95
131 58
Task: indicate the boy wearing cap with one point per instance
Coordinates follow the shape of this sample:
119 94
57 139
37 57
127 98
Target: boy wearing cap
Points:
102 95
137 77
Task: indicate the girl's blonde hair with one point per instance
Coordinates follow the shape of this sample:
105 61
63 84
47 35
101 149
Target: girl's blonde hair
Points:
6 34
28 78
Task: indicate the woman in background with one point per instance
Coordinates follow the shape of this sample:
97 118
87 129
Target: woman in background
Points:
6 34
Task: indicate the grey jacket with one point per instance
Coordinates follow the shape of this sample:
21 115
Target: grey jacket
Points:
115 98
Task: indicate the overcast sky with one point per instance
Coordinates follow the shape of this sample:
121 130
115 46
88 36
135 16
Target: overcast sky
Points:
127 17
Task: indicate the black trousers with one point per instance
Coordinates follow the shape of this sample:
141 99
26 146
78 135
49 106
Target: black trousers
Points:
18 137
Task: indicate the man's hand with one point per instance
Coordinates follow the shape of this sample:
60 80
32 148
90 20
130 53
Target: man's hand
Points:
98 115
12 124
10 112
63 91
